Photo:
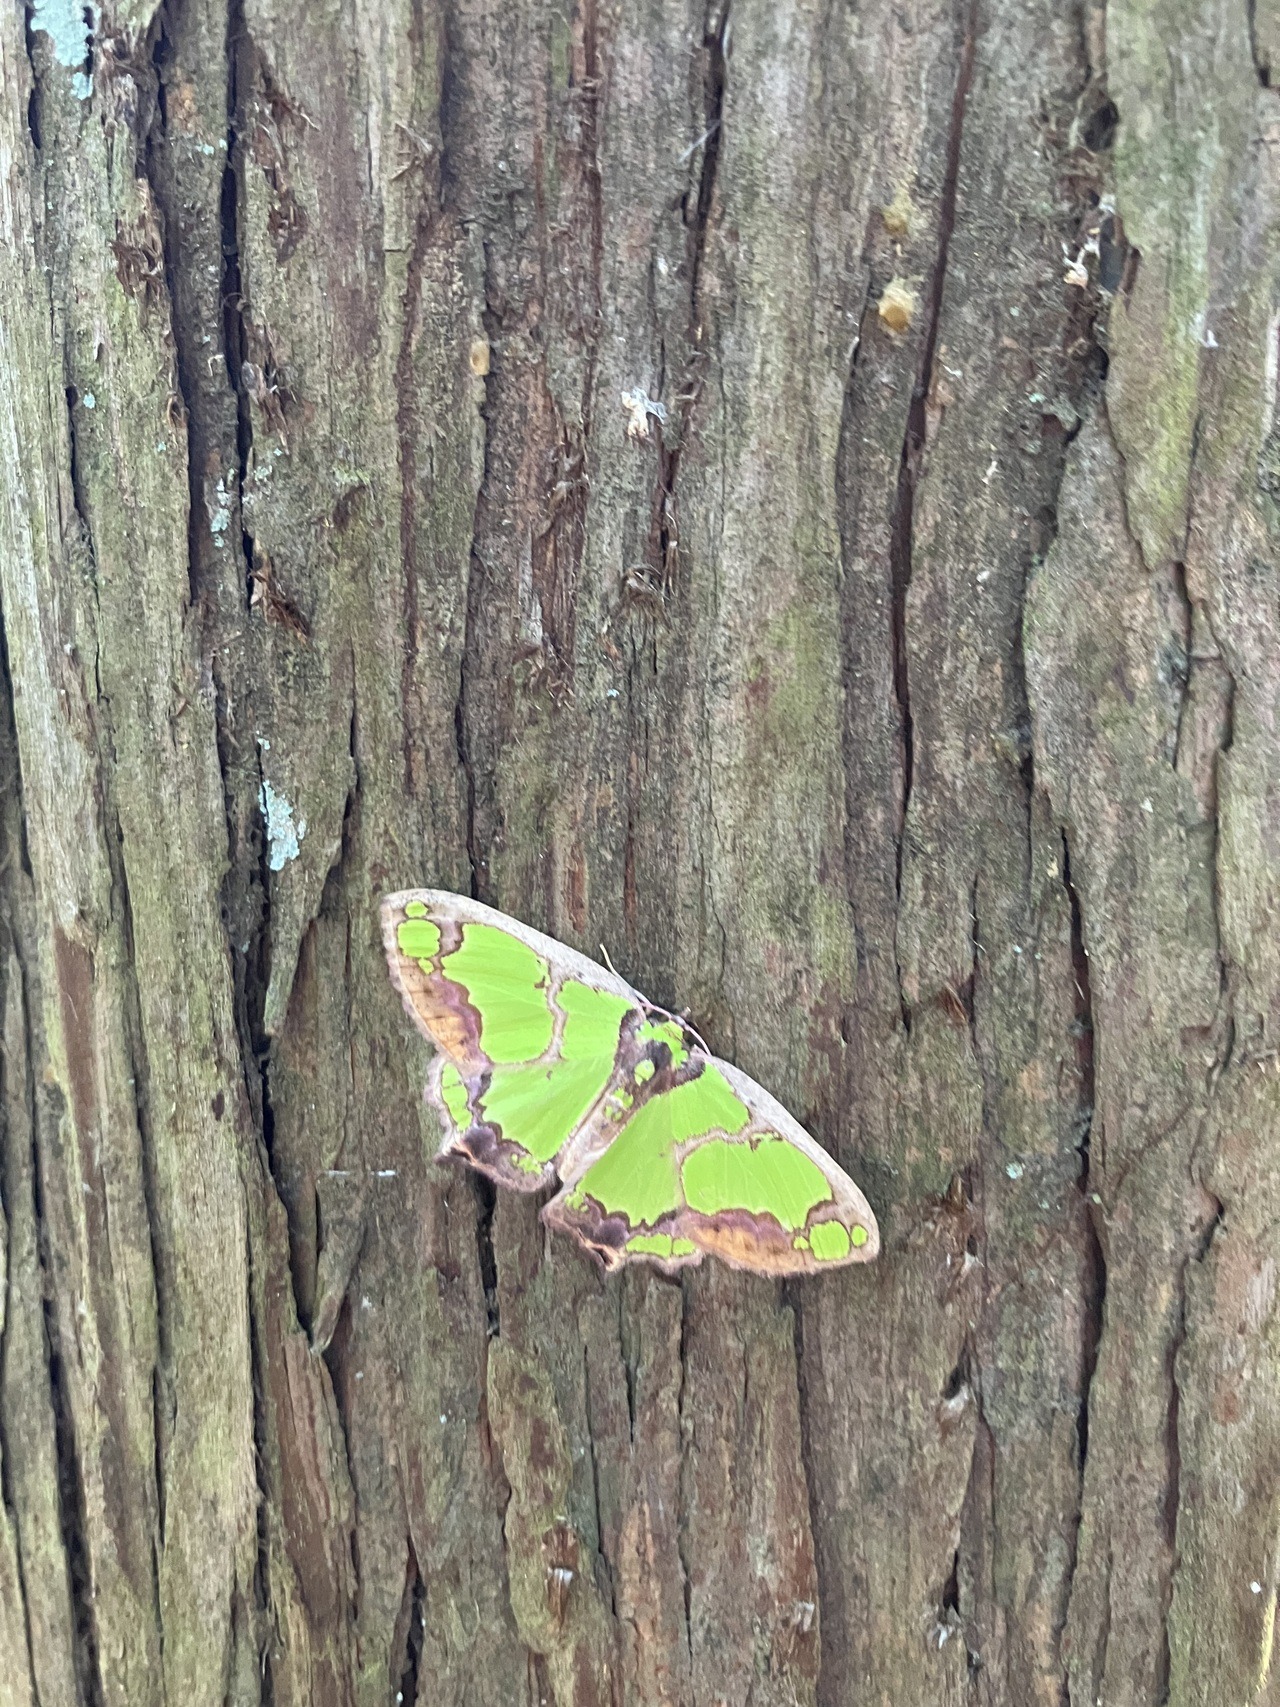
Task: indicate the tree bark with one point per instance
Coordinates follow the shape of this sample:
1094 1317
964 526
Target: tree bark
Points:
904 699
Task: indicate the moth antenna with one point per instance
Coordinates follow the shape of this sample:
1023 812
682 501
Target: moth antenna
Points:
609 962
681 1019
695 1033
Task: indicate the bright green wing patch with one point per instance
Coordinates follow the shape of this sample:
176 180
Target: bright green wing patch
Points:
771 1177
636 1176
506 983
418 939
830 1241
537 1105
592 1021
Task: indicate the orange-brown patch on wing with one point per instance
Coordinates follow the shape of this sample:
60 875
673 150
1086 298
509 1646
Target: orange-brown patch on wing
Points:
443 1012
762 1246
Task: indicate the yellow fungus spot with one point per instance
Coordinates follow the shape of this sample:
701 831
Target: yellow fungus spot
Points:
480 357
898 305
899 213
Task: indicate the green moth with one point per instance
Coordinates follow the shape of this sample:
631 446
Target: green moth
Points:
550 1067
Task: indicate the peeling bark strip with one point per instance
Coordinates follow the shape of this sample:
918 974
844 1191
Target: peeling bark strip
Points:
905 701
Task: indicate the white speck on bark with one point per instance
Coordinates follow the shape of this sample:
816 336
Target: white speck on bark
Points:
639 406
220 515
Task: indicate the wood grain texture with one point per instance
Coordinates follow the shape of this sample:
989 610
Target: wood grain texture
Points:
905 703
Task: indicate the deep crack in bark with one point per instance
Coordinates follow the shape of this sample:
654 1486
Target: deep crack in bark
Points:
902 524
72 1520
486 1201
793 1299
234 333
1095 1265
664 530
682 1516
407 421
415 1632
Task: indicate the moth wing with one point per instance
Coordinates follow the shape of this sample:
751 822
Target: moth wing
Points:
528 1030
710 1162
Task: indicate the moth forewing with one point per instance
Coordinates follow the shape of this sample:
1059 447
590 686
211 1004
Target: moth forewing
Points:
529 1029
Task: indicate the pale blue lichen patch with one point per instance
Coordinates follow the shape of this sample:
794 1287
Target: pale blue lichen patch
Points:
69 25
283 834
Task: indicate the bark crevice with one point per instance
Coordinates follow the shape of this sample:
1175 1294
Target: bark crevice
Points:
73 1512
697 212
913 443
408 432
486 1202
1094 1289
472 593
686 1432
69 1488
259 1355
602 1555
235 339
414 1613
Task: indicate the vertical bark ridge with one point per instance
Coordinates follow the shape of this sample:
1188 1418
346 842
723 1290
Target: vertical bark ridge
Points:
43 1542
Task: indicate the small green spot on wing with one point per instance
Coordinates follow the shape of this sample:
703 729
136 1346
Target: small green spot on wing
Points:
830 1241
454 1093
644 1072
650 1244
858 1236
417 938
770 1177
668 1032
415 910
660 1245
